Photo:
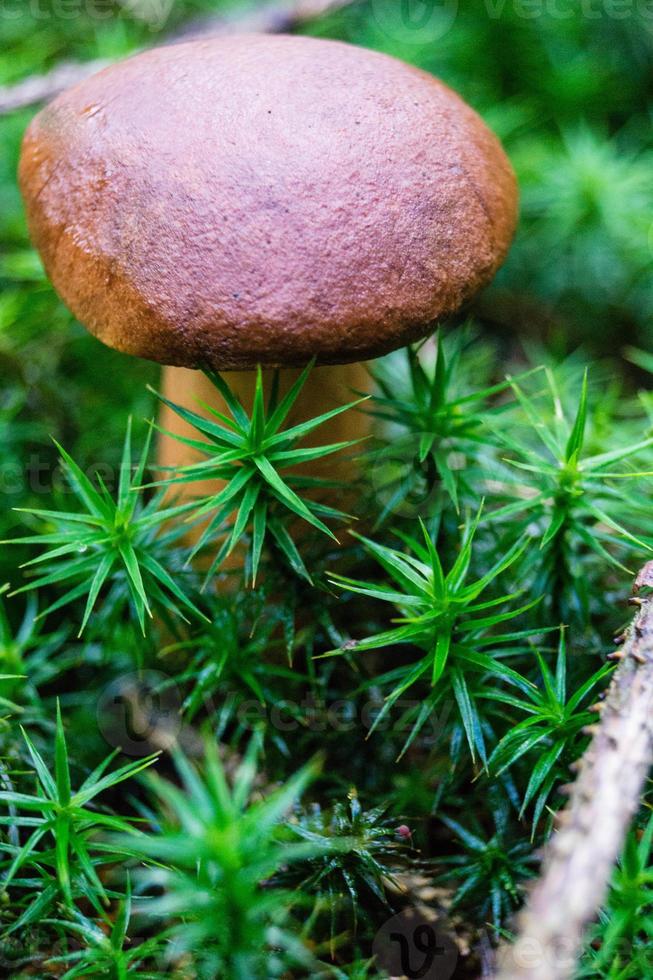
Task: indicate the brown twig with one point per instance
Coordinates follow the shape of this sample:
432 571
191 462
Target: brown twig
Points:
270 18
579 858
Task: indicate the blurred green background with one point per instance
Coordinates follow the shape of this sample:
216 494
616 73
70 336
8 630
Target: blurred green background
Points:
568 87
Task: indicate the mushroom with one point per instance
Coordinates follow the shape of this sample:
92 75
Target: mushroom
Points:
266 200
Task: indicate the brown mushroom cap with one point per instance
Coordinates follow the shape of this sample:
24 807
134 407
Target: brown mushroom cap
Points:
257 199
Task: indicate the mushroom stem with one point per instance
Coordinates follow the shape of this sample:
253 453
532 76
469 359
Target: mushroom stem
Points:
325 389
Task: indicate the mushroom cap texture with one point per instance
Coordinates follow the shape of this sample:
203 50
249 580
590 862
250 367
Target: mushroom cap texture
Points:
254 199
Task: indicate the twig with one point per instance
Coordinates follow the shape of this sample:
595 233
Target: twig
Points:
271 18
579 858
42 88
